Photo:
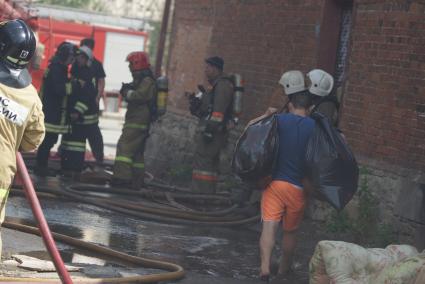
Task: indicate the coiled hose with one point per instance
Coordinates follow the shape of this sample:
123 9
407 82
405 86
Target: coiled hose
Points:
175 271
44 231
156 214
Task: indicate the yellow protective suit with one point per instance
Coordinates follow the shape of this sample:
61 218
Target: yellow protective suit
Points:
22 129
129 167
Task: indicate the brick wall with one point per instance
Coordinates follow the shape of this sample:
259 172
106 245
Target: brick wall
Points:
258 39
383 115
384 101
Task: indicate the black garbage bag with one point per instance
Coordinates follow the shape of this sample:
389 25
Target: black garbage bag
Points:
330 165
256 150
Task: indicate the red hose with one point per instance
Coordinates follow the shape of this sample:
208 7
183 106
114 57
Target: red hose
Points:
42 224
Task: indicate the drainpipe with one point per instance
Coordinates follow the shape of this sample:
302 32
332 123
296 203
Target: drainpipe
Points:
162 37
42 223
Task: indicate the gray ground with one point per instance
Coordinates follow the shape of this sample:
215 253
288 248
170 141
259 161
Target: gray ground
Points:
208 254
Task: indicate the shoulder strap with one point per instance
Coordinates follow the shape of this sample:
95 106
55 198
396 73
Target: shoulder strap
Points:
230 107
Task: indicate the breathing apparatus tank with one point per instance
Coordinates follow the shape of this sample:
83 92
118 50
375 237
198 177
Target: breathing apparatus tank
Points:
162 97
238 95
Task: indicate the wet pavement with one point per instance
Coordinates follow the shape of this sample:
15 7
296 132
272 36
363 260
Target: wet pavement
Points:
208 254
217 252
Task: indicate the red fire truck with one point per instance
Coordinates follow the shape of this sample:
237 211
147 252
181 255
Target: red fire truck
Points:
111 48
55 25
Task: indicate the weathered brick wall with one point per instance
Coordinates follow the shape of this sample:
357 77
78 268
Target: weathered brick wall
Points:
384 95
258 39
384 101
383 113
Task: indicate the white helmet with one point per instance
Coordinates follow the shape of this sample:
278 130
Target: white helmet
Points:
86 51
321 82
292 82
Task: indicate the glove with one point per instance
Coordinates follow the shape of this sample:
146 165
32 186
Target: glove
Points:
125 87
194 105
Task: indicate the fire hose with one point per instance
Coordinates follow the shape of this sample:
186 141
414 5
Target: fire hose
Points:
42 223
176 271
145 210
156 214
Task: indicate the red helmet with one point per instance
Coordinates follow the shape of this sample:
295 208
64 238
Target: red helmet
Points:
138 61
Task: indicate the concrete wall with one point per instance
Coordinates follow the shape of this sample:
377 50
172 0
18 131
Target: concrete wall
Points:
383 115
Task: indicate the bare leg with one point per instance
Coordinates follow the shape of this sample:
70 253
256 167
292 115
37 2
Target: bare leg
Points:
289 242
267 240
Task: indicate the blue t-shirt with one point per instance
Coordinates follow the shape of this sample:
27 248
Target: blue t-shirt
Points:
294 132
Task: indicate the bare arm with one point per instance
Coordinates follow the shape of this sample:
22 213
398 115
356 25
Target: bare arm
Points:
100 88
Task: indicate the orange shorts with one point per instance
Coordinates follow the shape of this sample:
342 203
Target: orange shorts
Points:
282 201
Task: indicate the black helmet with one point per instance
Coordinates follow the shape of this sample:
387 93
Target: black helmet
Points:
17 44
66 49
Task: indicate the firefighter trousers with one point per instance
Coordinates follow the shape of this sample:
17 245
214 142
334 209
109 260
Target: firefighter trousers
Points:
44 150
4 192
96 142
206 161
129 161
74 148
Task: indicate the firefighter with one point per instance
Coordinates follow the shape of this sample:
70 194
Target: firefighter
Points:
83 111
213 109
98 76
21 119
54 92
140 95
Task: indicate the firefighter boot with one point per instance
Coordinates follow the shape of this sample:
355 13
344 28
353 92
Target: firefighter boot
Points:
138 183
120 183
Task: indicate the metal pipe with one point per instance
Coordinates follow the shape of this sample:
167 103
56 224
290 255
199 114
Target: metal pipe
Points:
42 223
162 37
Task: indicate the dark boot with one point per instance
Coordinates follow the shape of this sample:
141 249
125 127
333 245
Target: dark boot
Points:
41 171
121 183
138 184
74 175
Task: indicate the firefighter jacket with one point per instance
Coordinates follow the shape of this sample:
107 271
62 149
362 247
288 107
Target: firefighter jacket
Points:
21 126
216 104
139 101
83 100
54 91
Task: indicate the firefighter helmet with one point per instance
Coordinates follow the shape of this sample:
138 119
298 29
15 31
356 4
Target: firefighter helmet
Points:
321 82
138 61
65 50
17 44
87 42
86 51
292 82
